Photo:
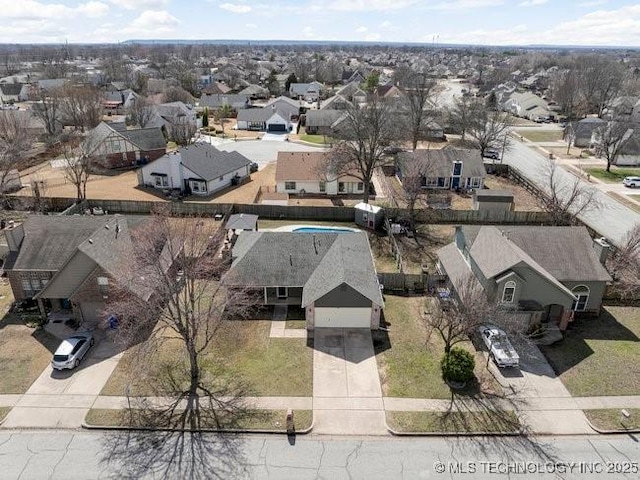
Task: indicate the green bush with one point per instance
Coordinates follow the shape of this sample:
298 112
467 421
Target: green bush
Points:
457 365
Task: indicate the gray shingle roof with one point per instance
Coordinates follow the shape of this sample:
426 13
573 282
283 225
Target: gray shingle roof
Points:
323 118
439 163
218 100
318 262
258 114
242 221
208 162
146 138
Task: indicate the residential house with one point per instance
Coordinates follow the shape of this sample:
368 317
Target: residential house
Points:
389 90
278 115
323 122
214 102
66 263
13 92
336 102
331 275
629 153
111 146
215 88
118 101
306 173
172 118
447 168
255 92
582 132
353 93
199 169
552 272
306 91
527 105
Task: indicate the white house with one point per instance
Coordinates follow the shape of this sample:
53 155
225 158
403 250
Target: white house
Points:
276 116
305 173
198 169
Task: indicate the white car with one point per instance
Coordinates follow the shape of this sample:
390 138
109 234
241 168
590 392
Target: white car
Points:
72 350
500 349
631 182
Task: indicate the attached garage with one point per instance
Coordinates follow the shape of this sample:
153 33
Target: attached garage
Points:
276 127
347 317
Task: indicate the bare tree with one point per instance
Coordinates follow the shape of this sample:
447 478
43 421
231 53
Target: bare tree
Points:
47 108
565 197
77 170
414 172
177 94
141 112
420 111
222 114
461 115
363 134
488 128
182 130
15 141
168 290
81 106
624 266
613 137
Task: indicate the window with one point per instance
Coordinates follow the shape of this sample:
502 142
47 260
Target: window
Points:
475 182
289 185
360 186
441 182
582 298
457 168
341 187
282 292
323 187
221 178
198 187
509 292
161 181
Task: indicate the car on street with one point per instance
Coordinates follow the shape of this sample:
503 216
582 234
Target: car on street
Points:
631 182
72 350
500 348
492 153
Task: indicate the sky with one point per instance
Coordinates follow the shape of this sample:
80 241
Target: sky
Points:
485 22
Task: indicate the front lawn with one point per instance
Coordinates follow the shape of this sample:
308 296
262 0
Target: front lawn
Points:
540 136
24 351
616 175
244 350
454 422
319 139
252 420
610 419
599 356
409 363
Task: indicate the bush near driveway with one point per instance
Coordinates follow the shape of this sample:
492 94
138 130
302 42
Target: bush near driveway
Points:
457 365
599 356
409 362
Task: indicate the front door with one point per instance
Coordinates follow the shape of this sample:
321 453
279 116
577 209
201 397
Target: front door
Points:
455 182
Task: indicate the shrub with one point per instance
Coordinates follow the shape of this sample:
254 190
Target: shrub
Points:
457 365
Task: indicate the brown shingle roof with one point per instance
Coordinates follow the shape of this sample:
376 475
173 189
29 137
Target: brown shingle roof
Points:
299 166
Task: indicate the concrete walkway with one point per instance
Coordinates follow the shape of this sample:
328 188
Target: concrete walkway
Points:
279 325
347 397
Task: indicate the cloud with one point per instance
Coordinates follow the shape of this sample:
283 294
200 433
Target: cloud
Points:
532 3
308 32
386 24
592 3
467 4
235 7
368 5
154 21
139 4
372 37
30 9
361 29
250 25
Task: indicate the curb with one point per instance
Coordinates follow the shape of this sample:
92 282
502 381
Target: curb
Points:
310 144
87 426
611 432
396 433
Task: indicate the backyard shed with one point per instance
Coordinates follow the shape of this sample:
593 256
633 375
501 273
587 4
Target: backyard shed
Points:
495 200
369 216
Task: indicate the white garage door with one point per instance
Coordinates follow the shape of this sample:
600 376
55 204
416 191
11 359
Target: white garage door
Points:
343 317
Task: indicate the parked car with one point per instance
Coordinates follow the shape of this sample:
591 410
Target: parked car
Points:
392 150
631 182
253 167
72 350
500 349
492 153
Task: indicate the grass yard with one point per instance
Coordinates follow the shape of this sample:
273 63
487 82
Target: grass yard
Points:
540 136
24 351
453 422
410 367
319 139
609 419
3 412
616 175
252 420
600 356
244 351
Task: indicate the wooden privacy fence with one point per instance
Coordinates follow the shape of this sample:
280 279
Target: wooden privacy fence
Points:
391 282
284 212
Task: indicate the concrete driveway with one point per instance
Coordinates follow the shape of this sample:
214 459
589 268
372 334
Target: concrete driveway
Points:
347 396
61 399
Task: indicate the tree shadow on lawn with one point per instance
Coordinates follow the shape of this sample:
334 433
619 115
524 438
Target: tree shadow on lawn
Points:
574 349
380 337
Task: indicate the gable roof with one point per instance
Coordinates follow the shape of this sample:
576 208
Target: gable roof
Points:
49 241
323 118
208 162
143 138
439 163
242 221
300 166
218 100
317 262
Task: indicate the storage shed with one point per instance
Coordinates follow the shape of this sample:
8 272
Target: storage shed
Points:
495 200
369 216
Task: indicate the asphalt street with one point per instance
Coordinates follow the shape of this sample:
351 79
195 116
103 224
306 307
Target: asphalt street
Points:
610 219
91 455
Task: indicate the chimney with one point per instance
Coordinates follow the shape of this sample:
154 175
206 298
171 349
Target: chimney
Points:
602 247
14 235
